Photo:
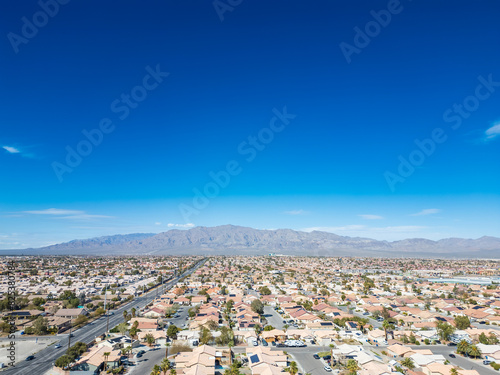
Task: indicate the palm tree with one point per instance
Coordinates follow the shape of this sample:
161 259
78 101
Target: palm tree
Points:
462 347
125 315
106 356
408 362
386 325
473 351
230 354
156 370
165 365
453 371
293 368
133 312
128 349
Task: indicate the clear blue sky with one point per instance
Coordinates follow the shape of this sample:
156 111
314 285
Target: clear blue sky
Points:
331 162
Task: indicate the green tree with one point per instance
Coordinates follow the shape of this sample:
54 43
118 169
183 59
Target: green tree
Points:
257 306
264 290
40 326
352 366
172 331
150 340
63 361
462 322
445 330
205 336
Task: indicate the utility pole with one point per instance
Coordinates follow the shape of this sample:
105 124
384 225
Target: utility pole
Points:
106 311
69 337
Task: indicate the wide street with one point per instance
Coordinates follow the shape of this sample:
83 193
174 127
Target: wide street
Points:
44 359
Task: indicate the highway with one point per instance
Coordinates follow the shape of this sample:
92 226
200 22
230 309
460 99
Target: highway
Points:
44 359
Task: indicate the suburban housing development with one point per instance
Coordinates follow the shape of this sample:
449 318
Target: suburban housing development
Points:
259 315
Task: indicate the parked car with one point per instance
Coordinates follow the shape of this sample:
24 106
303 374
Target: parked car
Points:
486 362
315 356
327 357
366 313
328 368
57 346
453 355
280 345
30 357
452 344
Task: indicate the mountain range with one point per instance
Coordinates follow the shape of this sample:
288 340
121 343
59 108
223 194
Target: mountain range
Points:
231 240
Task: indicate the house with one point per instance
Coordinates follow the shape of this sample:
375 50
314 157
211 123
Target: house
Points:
264 361
154 312
275 335
377 335
71 313
398 350
202 360
97 359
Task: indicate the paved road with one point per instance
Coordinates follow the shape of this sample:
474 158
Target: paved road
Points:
44 359
183 317
145 364
485 326
465 363
273 318
372 321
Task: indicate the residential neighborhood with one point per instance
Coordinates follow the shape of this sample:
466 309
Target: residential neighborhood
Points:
260 315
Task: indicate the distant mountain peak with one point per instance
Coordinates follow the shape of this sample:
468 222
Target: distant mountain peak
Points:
231 239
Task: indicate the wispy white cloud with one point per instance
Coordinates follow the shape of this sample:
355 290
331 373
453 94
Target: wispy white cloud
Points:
66 214
54 211
370 217
11 150
188 225
427 211
296 212
492 132
157 223
18 150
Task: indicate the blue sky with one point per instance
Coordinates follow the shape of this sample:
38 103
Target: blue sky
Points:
397 137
